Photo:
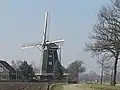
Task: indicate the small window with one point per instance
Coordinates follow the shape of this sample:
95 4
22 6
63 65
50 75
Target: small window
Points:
4 77
1 69
50 63
0 76
45 48
50 55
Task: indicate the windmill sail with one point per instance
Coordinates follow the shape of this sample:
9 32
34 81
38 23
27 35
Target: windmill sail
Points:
45 27
31 45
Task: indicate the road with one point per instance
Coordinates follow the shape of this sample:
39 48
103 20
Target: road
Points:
72 87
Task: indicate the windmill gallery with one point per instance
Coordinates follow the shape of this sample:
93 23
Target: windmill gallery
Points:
49 50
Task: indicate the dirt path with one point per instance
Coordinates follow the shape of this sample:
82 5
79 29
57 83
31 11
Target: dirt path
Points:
72 87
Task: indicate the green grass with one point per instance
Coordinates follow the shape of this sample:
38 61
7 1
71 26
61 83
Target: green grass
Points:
100 87
57 87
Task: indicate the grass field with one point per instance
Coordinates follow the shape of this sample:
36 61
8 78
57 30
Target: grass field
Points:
57 87
99 87
85 87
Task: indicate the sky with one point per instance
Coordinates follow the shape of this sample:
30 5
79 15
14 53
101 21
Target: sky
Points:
22 21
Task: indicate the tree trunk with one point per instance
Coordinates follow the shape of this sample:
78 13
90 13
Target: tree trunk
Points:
101 79
111 78
77 74
111 81
115 69
77 77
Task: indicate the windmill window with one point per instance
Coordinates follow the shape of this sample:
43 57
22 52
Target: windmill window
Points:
45 48
50 55
50 63
50 51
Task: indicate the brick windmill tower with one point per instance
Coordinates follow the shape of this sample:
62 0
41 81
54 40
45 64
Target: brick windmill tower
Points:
49 50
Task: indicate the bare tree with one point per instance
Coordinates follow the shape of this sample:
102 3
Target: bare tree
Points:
16 64
109 68
106 33
75 68
103 62
35 68
93 76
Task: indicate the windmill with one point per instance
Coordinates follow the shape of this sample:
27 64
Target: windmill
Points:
49 51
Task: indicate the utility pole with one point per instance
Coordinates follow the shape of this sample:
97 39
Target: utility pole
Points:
53 66
60 54
16 74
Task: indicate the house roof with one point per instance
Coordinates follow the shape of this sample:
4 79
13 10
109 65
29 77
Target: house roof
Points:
7 66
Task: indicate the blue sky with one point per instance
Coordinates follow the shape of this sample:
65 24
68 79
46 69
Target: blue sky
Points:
21 21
